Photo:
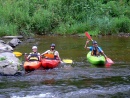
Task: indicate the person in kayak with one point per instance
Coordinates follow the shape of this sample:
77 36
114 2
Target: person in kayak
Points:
34 56
52 51
95 49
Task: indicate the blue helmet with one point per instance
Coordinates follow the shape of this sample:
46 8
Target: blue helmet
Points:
53 45
94 42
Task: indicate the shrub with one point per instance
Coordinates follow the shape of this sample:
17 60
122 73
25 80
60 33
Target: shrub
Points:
123 24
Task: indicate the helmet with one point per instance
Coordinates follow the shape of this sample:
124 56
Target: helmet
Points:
94 42
34 47
53 45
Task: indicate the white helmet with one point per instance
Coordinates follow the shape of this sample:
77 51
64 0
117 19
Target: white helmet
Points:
34 47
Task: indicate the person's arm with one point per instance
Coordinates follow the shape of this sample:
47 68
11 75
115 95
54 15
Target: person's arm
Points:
28 56
87 44
39 57
57 54
25 56
104 55
45 52
102 52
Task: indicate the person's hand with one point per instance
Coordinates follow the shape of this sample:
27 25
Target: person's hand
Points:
106 57
25 54
41 55
87 41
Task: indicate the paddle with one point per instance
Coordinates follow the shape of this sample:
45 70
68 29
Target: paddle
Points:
69 61
89 37
108 60
18 54
64 60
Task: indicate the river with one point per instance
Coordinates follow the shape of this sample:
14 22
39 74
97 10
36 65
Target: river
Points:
77 80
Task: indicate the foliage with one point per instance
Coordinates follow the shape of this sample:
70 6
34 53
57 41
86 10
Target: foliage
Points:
2 58
123 24
64 16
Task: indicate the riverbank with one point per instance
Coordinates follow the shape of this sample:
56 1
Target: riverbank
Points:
98 35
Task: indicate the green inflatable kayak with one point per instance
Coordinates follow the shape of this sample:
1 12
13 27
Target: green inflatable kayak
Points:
96 60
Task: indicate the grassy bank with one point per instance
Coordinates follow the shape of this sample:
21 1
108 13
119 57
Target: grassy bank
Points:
64 16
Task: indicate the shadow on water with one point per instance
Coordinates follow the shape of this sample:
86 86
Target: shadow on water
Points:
79 80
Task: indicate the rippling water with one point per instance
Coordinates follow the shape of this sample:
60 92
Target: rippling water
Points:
79 80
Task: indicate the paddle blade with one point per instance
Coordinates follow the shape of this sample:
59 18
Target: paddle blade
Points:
67 61
17 54
109 61
88 36
49 55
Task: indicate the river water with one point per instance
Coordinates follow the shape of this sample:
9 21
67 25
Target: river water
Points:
77 80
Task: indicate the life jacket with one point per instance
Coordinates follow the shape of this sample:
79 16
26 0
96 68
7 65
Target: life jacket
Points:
34 56
52 52
95 51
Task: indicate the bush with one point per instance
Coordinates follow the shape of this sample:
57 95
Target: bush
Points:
63 16
123 24
8 29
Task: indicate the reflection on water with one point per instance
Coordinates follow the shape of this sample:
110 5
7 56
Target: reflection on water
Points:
79 80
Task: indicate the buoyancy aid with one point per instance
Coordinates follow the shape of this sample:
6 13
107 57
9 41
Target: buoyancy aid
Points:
34 56
52 52
95 51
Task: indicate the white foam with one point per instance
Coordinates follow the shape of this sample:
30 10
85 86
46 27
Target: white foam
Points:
47 95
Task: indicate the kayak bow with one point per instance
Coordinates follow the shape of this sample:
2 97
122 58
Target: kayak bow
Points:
32 65
50 63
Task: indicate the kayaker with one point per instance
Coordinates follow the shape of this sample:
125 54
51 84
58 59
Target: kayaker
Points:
34 56
52 51
95 49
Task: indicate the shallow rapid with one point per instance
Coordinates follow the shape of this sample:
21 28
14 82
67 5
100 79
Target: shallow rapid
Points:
77 80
